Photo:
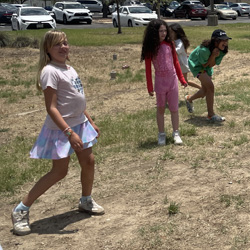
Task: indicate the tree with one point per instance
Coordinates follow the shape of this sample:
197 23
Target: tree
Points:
118 17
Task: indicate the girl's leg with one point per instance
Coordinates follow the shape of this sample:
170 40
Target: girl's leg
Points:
59 171
87 162
190 83
208 87
175 120
160 119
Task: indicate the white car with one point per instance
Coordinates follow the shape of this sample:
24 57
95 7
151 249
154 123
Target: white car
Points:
71 12
223 11
134 15
32 18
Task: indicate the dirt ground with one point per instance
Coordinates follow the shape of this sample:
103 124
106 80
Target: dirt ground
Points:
127 185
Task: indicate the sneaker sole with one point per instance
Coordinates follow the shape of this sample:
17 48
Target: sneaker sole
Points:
90 212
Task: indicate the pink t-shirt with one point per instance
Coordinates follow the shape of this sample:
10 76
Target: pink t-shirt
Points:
165 64
71 102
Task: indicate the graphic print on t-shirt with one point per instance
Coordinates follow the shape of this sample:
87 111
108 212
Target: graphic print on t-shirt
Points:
77 84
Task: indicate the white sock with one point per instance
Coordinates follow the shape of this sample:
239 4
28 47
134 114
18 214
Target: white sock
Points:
21 207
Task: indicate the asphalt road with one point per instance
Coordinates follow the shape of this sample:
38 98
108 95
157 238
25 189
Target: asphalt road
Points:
99 22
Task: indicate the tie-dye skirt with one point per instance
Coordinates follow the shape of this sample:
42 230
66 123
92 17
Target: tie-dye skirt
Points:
53 144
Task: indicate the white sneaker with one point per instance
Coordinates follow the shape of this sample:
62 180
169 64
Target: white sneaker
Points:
90 206
161 139
20 222
177 138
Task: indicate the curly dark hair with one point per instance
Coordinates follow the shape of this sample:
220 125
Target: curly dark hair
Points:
180 34
151 40
213 43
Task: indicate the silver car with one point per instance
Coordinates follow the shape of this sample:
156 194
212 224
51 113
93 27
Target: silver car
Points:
241 8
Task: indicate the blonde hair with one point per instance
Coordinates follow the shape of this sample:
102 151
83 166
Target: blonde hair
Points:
50 39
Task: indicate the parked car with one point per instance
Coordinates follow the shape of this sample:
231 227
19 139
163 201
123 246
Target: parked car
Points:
190 11
134 15
192 2
227 3
112 8
20 5
32 18
169 8
128 2
223 11
241 8
67 12
6 11
93 5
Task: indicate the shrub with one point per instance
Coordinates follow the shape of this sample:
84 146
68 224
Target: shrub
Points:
24 41
4 40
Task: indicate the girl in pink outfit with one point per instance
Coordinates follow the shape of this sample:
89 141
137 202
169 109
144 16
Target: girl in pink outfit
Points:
159 49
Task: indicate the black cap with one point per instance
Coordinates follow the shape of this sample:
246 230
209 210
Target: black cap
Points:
220 34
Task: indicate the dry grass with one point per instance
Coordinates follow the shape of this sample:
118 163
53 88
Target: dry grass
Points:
136 182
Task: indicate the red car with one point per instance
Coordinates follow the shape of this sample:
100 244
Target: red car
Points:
190 11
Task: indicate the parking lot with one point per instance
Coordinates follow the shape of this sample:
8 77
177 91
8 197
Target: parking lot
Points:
99 22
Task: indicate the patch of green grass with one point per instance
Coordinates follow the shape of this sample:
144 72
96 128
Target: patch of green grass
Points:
228 200
110 36
151 236
127 128
174 208
243 139
13 96
228 106
15 166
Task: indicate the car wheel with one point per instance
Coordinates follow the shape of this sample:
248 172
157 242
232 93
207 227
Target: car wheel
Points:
203 18
130 24
234 18
219 17
65 19
115 23
89 21
187 16
238 13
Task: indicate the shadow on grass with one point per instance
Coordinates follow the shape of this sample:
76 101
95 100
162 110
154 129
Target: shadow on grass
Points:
57 223
201 121
153 143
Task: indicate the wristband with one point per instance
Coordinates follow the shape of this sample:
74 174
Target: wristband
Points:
68 132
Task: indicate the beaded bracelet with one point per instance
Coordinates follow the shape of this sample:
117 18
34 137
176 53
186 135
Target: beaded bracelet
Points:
68 131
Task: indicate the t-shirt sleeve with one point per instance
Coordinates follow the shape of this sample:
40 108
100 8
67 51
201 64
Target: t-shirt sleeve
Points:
179 47
49 78
177 66
149 74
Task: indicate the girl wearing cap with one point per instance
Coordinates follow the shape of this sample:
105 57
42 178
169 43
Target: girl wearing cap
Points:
201 62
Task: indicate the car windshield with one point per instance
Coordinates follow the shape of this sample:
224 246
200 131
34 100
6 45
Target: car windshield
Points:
34 12
139 10
8 6
73 6
220 7
196 6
